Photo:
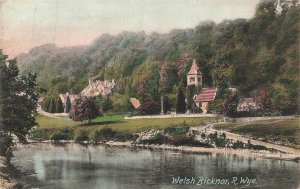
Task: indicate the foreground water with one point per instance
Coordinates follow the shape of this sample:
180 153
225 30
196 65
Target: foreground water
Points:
79 167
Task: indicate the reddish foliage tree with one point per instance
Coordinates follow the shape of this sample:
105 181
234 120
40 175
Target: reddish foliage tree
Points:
163 77
84 108
182 64
260 97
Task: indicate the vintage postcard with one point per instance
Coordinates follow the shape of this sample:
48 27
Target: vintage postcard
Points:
128 94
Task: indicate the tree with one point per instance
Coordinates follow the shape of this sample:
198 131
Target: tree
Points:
46 104
68 104
84 108
59 106
52 106
106 104
180 101
18 103
149 107
190 92
230 105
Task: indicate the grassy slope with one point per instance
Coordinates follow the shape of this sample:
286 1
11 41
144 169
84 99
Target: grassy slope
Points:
286 131
117 122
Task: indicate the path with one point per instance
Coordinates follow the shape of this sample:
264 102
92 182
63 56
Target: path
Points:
209 129
55 115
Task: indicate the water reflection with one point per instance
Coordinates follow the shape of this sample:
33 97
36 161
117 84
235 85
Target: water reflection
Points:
75 166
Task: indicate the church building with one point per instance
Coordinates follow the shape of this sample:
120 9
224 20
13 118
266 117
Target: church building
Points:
194 76
206 95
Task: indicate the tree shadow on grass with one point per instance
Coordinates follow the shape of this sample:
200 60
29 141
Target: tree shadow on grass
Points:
99 123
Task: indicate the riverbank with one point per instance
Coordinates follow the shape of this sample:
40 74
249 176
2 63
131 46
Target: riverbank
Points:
190 149
6 180
195 150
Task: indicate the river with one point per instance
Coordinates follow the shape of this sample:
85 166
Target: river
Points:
73 166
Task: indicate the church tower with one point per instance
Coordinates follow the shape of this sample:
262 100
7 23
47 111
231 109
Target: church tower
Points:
194 76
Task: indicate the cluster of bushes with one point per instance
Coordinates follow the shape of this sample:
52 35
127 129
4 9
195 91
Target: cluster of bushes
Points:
107 134
40 134
219 140
54 134
241 145
177 136
57 134
83 135
63 134
180 130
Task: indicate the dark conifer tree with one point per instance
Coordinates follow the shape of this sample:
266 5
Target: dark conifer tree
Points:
68 104
59 106
180 101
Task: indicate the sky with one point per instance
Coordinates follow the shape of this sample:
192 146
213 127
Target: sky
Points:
28 23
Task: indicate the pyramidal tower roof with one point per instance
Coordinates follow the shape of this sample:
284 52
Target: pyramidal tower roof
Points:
194 69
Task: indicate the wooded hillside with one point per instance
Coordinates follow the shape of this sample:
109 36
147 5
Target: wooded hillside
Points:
260 53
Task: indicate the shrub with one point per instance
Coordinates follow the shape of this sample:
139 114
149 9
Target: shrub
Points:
106 104
104 134
257 147
237 145
223 135
83 135
177 130
40 134
197 110
46 104
63 134
220 142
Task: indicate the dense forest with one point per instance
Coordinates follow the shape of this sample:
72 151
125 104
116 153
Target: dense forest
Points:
259 53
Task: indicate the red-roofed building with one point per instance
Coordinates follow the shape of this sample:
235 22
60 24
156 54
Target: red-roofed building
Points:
247 104
135 102
205 96
194 76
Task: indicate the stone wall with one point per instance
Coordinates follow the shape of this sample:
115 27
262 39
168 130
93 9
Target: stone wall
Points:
171 116
246 119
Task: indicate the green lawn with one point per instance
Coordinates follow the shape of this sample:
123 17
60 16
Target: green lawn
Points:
138 125
286 131
117 122
48 122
